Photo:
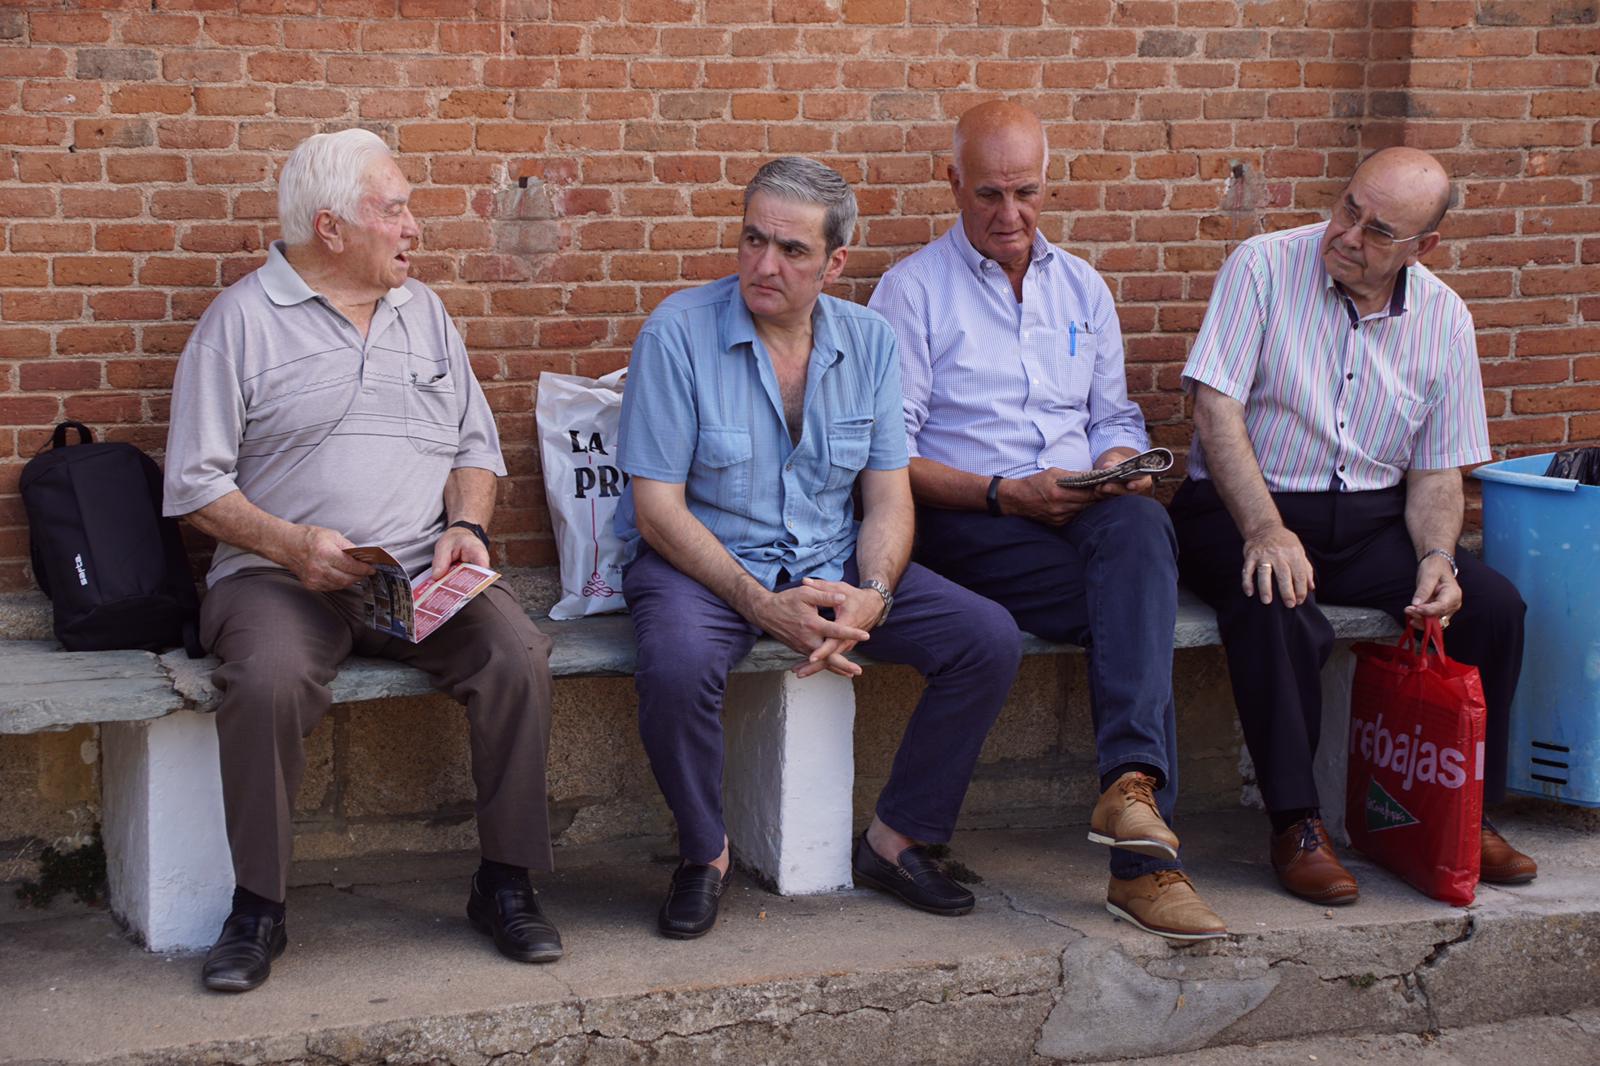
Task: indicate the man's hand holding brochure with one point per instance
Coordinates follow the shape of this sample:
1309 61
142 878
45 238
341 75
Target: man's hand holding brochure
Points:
409 609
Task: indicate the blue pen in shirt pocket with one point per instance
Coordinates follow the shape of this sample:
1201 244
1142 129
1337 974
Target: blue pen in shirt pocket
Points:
1073 329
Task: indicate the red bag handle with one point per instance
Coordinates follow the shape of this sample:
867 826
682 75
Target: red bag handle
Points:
1432 636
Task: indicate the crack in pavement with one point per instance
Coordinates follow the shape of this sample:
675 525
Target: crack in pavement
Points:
1020 909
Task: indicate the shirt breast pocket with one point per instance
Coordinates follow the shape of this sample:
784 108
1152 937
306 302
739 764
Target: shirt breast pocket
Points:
1067 364
433 415
1397 431
722 467
849 444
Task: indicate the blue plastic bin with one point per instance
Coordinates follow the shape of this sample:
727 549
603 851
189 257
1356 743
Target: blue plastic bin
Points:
1544 534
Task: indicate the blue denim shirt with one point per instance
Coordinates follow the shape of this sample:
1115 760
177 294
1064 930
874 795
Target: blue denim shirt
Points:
702 408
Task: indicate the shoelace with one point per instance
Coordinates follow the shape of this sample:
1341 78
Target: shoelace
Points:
1141 788
1164 878
1311 834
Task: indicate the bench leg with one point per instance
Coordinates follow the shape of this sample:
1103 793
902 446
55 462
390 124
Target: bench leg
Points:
1333 747
167 858
789 777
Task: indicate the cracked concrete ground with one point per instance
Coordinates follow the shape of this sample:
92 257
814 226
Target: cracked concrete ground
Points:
383 967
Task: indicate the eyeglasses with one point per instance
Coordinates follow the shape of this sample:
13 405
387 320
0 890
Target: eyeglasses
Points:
1377 238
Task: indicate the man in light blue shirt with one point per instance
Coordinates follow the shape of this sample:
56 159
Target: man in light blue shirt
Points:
754 405
1012 361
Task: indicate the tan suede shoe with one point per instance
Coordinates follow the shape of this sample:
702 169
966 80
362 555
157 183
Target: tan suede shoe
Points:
1502 863
1303 859
1127 817
1166 904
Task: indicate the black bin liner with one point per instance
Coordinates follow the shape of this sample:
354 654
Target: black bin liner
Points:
1580 464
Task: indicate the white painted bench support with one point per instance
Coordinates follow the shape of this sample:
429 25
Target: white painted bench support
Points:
788 777
167 858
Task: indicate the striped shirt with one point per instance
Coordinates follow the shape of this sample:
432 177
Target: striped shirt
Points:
702 409
1333 400
993 386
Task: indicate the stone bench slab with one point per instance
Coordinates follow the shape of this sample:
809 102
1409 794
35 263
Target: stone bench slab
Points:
46 689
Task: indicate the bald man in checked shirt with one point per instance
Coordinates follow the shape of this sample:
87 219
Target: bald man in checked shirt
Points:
1337 396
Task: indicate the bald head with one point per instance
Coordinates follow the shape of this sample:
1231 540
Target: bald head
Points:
998 126
1413 179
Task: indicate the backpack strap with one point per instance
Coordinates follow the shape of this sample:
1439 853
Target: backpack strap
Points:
59 438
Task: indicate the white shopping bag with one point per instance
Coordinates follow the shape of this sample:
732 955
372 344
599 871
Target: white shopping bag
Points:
578 419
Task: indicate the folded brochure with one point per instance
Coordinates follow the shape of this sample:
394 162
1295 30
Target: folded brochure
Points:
1145 464
412 609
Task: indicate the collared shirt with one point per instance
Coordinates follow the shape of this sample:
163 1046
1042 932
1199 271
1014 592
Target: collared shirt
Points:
1334 400
702 409
279 396
993 386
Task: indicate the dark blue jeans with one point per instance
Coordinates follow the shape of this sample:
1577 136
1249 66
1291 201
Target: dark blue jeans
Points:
967 647
1107 580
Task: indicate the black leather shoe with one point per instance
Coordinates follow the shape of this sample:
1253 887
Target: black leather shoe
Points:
690 909
916 879
511 915
241 959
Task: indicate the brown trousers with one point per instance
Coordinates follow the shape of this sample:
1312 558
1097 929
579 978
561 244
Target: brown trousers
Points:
281 645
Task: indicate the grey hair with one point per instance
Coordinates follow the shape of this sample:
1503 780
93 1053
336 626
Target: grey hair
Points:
325 172
807 181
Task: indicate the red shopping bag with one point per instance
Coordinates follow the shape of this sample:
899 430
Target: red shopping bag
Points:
1414 794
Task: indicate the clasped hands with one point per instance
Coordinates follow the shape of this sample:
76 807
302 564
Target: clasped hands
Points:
1275 562
794 616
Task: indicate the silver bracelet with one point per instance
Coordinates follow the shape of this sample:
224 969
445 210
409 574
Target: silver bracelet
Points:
1451 559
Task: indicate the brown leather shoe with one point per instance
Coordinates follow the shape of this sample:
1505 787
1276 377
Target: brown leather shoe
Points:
1303 859
1166 904
1502 863
1127 817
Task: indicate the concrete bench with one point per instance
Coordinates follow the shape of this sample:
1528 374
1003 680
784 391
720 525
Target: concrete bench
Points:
788 779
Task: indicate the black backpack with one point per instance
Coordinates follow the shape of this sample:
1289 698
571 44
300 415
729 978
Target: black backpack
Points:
113 567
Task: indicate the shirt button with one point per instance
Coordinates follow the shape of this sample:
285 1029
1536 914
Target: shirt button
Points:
1341 468
790 466
1341 425
1348 377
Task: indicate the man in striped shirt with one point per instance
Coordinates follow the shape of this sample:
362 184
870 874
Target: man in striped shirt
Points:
1337 395
1011 362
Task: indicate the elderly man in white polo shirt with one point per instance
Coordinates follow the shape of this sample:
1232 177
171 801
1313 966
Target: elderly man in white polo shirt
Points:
322 402
1337 395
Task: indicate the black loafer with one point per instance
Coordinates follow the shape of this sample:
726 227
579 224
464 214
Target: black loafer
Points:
690 909
241 959
511 915
915 879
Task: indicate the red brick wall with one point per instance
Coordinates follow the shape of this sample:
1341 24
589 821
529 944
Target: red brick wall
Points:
574 160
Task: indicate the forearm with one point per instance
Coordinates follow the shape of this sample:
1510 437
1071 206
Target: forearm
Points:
1433 509
234 520
469 496
936 485
1232 464
883 544
682 540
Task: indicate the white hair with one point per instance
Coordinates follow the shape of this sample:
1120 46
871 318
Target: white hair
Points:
326 171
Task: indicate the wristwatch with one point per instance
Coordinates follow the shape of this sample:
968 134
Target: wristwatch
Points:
473 528
888 598
992 498
1451 559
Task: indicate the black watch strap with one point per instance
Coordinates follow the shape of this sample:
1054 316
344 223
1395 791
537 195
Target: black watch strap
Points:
475 529
994 495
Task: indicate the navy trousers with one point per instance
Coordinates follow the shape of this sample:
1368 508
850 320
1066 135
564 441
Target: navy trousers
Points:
1361 555
966 647
1107 580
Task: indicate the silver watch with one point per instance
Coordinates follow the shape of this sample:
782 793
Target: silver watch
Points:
888 598
1451 559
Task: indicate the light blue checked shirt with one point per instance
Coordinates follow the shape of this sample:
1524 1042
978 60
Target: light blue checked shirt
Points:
993 386
702 409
